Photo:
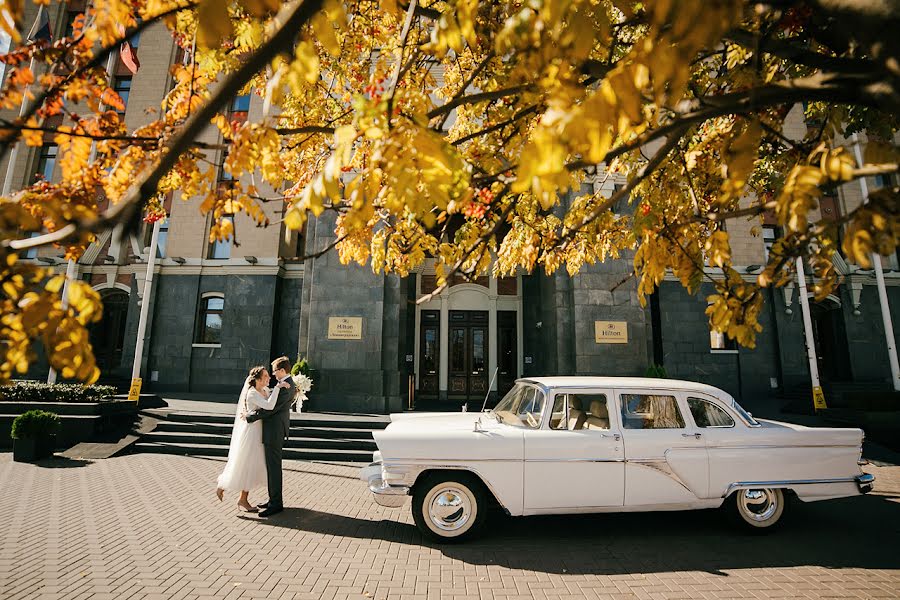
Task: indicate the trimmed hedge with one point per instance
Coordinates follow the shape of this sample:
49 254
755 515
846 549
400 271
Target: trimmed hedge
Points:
34 424
36 391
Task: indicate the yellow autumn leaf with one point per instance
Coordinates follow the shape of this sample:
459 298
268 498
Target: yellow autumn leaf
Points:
213 23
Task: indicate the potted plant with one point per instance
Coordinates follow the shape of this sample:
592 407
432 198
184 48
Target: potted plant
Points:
34 435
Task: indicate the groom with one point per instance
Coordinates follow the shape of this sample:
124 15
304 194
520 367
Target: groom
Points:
276 425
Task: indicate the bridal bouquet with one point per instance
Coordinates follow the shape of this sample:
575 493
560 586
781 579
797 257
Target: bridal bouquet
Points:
303 384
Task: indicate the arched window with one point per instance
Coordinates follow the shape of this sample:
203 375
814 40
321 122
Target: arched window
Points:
209 330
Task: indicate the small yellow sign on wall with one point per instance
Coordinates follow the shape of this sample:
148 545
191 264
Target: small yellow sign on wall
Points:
611 332
819 398
134 392
344 328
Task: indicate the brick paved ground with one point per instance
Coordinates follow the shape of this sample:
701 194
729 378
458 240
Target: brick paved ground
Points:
149 526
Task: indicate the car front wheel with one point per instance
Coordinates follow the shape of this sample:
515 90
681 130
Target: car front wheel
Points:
449 507
759 509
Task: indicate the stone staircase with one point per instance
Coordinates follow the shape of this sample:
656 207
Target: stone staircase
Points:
314 436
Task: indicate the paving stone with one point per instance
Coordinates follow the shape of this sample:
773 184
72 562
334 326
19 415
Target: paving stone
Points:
149 526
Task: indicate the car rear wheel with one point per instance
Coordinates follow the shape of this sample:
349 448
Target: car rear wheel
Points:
449 507
758 509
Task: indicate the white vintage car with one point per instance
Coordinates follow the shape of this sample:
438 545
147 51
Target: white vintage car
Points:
607 444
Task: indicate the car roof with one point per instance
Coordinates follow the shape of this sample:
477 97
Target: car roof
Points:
625 382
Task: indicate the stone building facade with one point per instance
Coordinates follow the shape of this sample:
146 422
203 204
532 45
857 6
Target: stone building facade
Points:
218 309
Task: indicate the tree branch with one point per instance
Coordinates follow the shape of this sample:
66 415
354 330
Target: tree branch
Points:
475 98
95 62
127 210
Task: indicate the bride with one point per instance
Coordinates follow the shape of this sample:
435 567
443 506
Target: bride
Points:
246 466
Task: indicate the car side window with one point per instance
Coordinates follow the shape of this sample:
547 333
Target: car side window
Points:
707 414
650 411
597 416
558 418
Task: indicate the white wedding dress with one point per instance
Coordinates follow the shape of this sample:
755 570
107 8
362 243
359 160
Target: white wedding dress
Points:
246 466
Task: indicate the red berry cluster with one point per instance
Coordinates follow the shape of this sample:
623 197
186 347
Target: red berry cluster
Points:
479 205
375 90
645 209
153 217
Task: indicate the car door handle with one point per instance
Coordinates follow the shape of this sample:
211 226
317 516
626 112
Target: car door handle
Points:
696 436
615 436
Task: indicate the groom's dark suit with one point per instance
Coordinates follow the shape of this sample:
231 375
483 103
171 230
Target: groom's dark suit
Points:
276 424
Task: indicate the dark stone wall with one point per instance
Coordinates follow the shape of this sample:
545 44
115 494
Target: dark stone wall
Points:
286 325
248 319
866 344
352 375
744 374
606 292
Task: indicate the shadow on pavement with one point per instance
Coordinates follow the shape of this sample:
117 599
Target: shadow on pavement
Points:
849 533
61 462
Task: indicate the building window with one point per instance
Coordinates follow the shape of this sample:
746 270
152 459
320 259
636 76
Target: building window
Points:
122 86
769 235
221 250
884 180
46 162
211 308
162 239
31 252
239 109
719 342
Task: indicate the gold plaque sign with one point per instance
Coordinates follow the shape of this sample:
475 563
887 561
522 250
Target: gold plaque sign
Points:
344 328
611 332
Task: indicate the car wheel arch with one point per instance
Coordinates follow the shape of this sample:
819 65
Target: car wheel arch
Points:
428 473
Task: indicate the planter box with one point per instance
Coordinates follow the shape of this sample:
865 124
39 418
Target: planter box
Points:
32 449
81 421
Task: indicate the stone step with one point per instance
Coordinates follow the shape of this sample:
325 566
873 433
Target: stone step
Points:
214 439
185 449
225 429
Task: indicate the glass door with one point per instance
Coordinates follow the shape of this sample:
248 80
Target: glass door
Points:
468 340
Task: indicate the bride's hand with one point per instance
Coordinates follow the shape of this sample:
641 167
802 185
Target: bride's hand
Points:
284 384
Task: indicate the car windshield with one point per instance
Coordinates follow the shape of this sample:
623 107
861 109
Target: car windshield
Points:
522 406
744 414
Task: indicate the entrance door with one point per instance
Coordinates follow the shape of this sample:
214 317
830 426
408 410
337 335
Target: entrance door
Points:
468 354
507 352
830 337
108 336
429 353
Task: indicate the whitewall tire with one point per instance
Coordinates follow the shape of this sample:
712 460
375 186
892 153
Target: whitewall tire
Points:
449 507
758 509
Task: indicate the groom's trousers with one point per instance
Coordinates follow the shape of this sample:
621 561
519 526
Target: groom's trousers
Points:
273 473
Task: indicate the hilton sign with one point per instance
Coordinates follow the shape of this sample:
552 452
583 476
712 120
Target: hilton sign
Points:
344 328
611 332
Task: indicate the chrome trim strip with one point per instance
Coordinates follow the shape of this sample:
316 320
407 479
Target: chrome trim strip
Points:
779 446
741 485
575 460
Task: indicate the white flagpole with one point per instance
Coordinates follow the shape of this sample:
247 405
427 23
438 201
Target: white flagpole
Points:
879 281
145 305
808 333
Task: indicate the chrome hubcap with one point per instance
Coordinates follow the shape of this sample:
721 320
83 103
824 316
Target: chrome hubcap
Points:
758 505
450 509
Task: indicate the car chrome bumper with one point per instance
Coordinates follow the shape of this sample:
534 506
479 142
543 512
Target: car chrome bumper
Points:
865 483
390 496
